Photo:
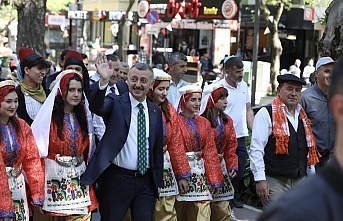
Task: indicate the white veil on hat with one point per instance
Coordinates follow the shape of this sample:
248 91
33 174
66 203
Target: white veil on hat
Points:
186 90
41 125
207 94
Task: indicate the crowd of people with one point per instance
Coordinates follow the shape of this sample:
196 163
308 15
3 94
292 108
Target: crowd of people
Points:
142 144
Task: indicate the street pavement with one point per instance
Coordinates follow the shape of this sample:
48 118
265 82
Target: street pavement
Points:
247 213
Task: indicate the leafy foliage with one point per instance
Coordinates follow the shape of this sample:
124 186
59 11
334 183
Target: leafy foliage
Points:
55 7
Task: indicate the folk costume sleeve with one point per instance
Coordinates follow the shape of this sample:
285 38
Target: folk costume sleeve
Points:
6 210
32 163
209 152
176 147
229 146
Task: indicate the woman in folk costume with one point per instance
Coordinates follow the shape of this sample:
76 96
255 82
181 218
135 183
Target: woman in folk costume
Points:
165 209
66 147
200 149
19 153
213 105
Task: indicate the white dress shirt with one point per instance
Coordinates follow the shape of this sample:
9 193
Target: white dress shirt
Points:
236 106
32 106
262 129
98 122
173 92
128 156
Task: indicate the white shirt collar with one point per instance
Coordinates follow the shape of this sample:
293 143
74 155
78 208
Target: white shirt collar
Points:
135 102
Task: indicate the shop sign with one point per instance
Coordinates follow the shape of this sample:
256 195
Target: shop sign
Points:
143 8
229 9
98 15
118 15
115 15
195 9
83 15
309 14
56 20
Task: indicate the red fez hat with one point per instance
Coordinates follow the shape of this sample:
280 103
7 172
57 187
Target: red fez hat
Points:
28 54
73 57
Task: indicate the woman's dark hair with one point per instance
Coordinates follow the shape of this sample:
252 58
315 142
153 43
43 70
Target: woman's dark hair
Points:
80 113
13 120
209 112
164 107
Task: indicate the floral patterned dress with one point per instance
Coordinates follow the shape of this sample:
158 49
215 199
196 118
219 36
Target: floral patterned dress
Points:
200 149
64 193
19 153
226 143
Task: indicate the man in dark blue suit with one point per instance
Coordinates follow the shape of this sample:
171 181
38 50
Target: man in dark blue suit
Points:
122 180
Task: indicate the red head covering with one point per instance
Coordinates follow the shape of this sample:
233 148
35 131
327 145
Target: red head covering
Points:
73 57
215 97
5 87
185 98
67 75
27 54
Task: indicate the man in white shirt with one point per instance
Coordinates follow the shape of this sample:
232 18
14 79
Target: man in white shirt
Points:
282 142
177 65
239 109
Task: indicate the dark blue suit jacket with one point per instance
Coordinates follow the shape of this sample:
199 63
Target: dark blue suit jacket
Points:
117 109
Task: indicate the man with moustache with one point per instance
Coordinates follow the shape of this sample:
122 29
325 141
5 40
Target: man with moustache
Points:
239 109
320 196
177 66
315 102
128 162
282 142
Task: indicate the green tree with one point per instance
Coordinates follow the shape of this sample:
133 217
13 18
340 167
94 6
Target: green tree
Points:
55 7
31 22
121 27
272 22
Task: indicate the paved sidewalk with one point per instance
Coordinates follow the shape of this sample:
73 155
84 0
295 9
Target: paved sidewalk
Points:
247 213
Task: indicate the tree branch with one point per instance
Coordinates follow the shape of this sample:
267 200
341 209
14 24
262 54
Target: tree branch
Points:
265 12
279 10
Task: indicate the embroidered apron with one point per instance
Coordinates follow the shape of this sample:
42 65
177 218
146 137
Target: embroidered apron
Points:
226 192
64 192
17 187
198 189
169 182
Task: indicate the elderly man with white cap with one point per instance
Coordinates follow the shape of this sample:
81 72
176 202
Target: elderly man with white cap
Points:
316 105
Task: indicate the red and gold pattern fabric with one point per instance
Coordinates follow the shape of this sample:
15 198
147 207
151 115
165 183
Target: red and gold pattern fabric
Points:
225 138
72 145
198 136
176 146
25 155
